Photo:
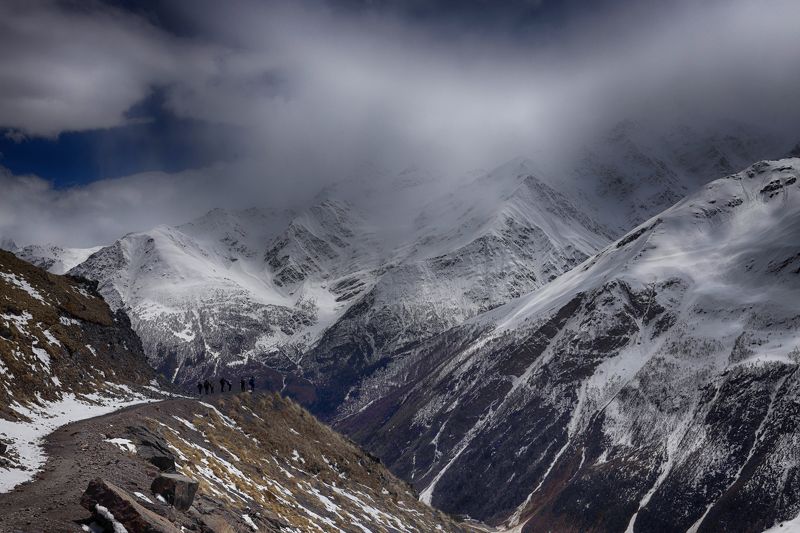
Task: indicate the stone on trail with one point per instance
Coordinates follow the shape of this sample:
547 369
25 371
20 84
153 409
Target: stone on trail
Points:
176 489
124 508
162 461
153 448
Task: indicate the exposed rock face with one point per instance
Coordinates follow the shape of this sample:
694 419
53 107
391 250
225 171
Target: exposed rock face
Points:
110 503
178 490
652 388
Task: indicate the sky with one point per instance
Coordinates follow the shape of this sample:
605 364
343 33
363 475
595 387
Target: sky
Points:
119 115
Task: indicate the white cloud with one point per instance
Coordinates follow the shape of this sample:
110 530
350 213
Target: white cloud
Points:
80 68
317 91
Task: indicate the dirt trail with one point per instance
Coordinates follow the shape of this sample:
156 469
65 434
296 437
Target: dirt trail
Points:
76 454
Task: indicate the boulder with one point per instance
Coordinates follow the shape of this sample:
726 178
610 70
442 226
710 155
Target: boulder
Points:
153 448
177 489
164 462
3 448
110 504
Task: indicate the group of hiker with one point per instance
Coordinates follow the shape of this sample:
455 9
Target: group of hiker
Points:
208 386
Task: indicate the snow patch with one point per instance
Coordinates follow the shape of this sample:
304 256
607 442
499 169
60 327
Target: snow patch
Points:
26 438
23 284
124 444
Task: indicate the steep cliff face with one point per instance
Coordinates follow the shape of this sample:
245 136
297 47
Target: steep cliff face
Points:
651 388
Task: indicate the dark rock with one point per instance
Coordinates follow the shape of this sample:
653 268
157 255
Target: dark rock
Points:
164 462
3 448
153 448
178 490
123 508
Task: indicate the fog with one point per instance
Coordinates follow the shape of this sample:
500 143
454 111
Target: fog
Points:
317 90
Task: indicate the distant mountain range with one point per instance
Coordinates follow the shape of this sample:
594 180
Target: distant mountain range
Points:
575 334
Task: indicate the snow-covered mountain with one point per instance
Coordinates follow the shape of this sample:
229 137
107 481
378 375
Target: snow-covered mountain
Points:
54 259
196 293
652 388
498 238
323 293
332 292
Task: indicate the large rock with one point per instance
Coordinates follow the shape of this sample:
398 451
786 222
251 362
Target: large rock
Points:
164 462
176 489
153 448
115 502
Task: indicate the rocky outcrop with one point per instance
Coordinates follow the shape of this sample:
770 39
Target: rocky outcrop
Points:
176 489
111 505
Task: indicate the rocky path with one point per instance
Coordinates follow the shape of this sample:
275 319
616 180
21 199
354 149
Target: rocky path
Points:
257 462
77 453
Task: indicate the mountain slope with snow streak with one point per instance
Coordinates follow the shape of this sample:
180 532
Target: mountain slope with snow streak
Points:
503 236
651 388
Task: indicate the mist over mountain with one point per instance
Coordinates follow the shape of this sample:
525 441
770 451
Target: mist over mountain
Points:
262 104
536 259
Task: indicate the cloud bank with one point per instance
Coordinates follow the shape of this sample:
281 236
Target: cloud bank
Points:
314 90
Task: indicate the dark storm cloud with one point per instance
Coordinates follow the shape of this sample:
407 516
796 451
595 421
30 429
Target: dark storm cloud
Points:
314 89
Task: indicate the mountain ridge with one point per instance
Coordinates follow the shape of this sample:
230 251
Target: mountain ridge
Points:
585 386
